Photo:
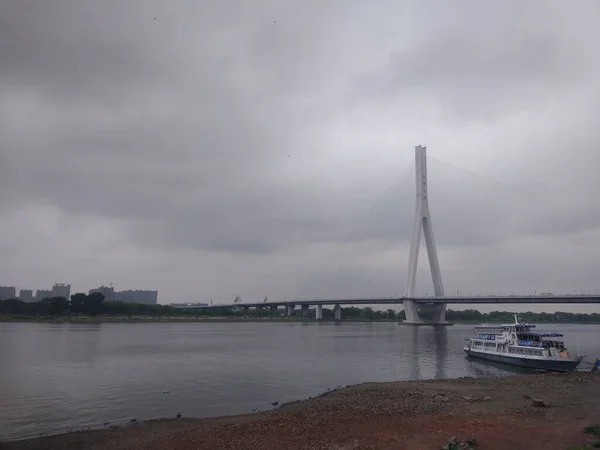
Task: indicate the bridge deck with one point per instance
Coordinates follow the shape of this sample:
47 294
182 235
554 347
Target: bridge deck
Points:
523 299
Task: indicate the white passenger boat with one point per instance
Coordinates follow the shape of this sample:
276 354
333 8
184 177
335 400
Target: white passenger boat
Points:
516 344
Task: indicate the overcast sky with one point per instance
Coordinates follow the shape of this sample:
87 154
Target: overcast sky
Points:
212 149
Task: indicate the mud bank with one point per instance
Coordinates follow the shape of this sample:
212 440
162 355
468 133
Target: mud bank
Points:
542 411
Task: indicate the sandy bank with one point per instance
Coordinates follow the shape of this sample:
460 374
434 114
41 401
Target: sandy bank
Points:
414 415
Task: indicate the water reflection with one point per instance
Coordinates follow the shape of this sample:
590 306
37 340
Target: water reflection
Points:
484 368
440 337
81 342
415 367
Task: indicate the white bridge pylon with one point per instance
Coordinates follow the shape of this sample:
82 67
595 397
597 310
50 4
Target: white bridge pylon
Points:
423 225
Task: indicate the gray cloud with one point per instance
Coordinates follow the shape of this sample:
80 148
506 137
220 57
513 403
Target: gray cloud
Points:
247 147
481 77
80 52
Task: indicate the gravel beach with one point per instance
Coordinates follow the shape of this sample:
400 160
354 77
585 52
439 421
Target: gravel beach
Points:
530 412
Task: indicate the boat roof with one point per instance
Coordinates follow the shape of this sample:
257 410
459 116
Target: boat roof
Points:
505 326
545 334
516 323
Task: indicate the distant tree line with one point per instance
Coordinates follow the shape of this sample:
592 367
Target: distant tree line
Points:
54 306
81 304
472 315
94 305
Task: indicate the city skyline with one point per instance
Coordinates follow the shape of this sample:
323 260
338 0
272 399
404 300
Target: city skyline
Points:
64 290
31 287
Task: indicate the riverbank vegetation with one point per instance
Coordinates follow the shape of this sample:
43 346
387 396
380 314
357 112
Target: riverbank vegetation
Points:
82 306
92 305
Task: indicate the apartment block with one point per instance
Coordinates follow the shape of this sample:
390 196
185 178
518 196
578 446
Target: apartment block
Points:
137 296
108 292
61 290
7 292
41 294
26 295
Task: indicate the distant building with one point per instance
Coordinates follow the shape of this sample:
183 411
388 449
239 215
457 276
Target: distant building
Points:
138 296
187 305
7 292
26 295
61 290
41 294
108 292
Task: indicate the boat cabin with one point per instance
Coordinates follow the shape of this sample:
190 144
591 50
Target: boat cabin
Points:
517 338
518 344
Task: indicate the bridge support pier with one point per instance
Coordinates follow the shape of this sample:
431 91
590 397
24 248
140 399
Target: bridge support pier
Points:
319 312
411 312
273 307
337 312
439 314
422 225
289 309
305 311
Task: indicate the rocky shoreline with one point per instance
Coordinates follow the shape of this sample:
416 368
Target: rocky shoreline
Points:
541 411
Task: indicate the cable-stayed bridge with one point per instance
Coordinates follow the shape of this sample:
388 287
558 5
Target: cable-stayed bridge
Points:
422 227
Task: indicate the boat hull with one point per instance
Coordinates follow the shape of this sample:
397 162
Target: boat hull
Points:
539 364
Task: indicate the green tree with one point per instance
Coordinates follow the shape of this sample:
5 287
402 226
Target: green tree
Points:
11 306
55 306
77 302
93 302
367 313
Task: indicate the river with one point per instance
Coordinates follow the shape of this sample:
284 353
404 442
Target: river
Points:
58 377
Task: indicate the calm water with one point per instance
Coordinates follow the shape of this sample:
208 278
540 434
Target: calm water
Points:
58 377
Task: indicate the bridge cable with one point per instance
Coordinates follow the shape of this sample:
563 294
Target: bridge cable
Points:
525 212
